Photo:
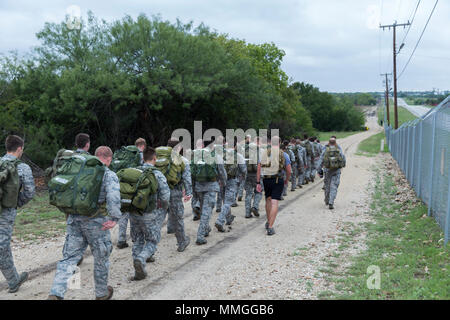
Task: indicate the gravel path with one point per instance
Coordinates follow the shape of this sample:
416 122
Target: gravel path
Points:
243 263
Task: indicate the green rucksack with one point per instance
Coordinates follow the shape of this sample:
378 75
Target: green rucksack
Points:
201 170
230 168
9 183
170 164
126 157
138 188
62 156
76 187
251 167
333 158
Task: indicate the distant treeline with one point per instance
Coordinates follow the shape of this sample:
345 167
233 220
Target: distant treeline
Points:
360 98
146 77
332 112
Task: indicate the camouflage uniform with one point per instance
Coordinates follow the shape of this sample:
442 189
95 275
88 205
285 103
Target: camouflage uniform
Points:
318 152
301 164
332 179
251 193
220 198
146 228
292 158
309 165
175 220
7 219
207 192
123 222
83 231
231 189
294 168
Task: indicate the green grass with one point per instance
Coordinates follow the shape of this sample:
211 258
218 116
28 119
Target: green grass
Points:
403 114
371 146
405 244
325 136
38 219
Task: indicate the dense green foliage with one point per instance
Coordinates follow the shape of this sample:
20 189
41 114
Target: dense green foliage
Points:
142 77
329 112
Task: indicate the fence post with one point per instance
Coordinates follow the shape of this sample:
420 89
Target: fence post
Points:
413 155
408 154
447 219
419 183
433 151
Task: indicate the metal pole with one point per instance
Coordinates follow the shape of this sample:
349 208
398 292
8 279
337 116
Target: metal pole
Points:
419 183
447 219
433 144
413 155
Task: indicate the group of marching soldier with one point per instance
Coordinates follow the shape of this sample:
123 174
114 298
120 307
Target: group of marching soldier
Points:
220 185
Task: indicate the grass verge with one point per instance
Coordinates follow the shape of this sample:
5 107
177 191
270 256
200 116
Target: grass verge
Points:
406 246
372 145
38 219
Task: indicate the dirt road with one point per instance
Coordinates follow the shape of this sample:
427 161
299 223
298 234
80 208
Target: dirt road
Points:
244 263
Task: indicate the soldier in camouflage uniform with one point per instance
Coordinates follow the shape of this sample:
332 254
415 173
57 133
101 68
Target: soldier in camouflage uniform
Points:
250 182
231 189
207 193
146 228
175 221
309 164
292 159
141 144
93 231
301 163
294 165
332 177
195 202
14 149
241 181
317 152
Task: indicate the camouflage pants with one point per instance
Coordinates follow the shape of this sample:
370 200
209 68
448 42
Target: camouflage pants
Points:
81 232
332 180
146 233
123 226
230 191
294 175
7 218
316 167
207 200
285 187
250 193
220 198
307 170
195 202
301 176
176 214
241 187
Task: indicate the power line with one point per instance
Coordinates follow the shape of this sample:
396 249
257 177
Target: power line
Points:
417 44
412 20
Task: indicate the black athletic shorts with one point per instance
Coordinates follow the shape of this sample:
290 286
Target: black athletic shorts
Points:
273 189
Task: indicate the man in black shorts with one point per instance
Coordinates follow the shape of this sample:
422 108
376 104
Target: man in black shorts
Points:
273 182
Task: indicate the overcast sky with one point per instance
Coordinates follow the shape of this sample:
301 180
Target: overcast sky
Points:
335 45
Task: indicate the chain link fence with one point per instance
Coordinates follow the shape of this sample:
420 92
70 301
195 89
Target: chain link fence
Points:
422 149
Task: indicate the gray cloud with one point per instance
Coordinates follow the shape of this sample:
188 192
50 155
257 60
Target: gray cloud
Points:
327 42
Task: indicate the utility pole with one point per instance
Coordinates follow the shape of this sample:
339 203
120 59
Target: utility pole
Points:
386 96
394 27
